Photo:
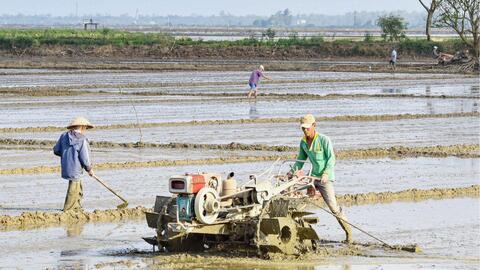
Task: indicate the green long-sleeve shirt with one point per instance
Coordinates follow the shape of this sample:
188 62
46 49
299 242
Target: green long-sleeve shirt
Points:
320 154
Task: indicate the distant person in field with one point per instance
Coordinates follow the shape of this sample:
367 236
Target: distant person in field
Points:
393 59
255 79
74 151
442 58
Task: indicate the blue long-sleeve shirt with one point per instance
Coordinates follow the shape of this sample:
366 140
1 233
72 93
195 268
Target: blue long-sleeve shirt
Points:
74 150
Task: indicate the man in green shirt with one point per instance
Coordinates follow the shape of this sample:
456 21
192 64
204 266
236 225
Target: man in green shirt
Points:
319 150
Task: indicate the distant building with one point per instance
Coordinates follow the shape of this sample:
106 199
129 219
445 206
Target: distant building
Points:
90 25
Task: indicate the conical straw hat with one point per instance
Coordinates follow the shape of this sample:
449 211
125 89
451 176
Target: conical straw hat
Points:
80 121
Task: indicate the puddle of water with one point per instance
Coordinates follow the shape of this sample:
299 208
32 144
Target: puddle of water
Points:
139 186
449 239
72 247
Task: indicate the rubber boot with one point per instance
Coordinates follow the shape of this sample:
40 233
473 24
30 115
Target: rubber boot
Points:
348 230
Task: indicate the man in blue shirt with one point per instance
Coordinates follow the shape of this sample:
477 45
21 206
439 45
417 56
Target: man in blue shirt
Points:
74 150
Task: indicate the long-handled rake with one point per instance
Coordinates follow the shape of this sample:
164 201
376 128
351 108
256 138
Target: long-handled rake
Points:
120 206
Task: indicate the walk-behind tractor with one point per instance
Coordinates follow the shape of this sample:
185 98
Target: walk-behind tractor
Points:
266 214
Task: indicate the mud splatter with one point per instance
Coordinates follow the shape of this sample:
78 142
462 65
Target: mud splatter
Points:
118 264
238 259
386 117
461 150
234 260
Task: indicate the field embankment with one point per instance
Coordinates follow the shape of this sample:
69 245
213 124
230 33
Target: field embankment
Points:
110 43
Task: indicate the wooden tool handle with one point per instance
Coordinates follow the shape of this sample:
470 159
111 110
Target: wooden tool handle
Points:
107 187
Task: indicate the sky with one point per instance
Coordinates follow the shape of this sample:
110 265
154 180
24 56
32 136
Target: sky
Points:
200 7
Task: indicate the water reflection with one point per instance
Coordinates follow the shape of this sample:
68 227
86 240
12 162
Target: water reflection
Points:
253 113
393 91
428 90
428 93
475 106
74 230
475 90
66 260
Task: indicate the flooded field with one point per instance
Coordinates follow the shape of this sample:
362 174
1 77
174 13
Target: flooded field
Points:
347 134
46 79
143 184
408 166
222 109
118 245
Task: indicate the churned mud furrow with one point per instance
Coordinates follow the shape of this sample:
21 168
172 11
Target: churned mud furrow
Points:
345 118
463 151
35 219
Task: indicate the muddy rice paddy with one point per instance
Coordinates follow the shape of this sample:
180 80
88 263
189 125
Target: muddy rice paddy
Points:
408 167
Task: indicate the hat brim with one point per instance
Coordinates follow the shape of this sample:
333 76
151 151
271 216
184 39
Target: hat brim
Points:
88 126
306 125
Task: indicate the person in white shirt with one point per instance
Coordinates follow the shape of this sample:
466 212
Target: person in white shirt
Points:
393 59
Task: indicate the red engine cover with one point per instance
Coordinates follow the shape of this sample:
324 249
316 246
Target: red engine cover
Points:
198 182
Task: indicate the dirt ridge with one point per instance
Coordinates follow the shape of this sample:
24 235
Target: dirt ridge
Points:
58 90
384 117
459 150
27 219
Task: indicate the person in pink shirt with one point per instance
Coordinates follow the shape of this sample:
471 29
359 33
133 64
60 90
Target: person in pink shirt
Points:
254 80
